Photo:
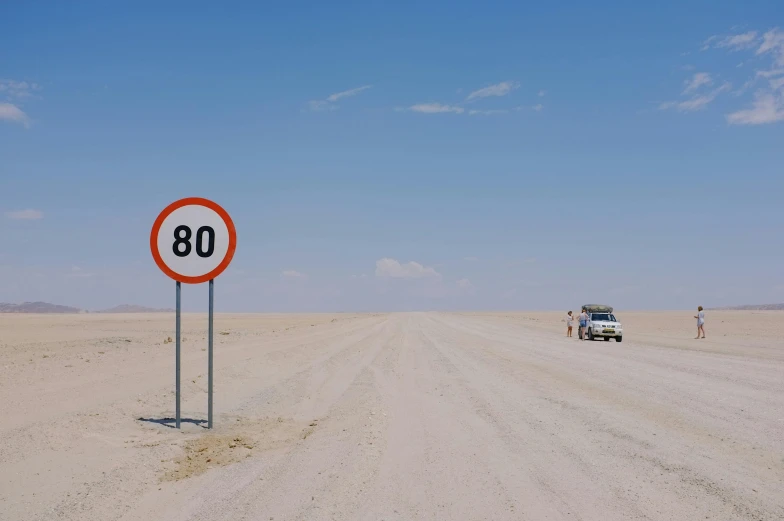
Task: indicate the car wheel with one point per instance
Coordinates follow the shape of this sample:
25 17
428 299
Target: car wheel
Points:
590 335
618 338
606 339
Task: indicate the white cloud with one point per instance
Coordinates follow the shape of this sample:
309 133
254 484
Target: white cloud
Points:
329 103
771 73
768 107
392 268
487 112
12 113
18 89
499 89
26 215
332 98
542 93
696 103
435 108
698 80
739 41
773 42
293 274
538 107
707 43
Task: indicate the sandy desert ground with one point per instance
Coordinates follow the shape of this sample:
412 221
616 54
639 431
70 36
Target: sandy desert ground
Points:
432 416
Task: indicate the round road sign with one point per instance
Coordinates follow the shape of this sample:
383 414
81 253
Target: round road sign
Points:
193 240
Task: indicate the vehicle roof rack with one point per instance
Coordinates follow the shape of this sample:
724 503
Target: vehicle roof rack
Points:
597 308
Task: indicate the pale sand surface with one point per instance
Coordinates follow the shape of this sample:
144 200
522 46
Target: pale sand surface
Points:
432 416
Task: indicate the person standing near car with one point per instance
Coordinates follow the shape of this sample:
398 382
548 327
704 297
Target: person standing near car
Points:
569 322
700 316
583 325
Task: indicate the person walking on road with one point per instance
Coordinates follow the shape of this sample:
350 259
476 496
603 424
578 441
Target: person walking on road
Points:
700 316
569 322
583 324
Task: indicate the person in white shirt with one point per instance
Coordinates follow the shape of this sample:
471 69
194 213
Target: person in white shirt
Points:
700 316
569 322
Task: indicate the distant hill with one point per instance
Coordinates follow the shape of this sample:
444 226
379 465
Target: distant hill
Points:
46 307
130 308
37 307
754 307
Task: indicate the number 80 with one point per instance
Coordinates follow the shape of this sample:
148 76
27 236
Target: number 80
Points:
182 237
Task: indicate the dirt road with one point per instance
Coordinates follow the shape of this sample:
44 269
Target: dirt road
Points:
392 417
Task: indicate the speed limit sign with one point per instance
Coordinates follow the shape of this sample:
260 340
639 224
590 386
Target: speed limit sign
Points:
193 240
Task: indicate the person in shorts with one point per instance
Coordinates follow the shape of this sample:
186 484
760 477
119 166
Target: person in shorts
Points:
583 324
569 322
700 316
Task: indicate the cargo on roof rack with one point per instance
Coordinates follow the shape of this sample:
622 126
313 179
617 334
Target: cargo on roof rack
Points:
597 308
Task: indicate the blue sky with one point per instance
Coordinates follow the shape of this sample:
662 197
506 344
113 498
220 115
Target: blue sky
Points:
401 156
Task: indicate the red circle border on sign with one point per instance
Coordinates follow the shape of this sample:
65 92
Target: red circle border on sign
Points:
176 205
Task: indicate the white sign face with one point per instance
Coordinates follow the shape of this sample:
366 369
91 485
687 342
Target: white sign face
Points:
193 240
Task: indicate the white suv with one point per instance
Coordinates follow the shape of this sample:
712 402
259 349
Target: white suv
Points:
603 324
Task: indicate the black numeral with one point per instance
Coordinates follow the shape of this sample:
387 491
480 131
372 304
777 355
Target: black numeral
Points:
182 245
201 252
182 236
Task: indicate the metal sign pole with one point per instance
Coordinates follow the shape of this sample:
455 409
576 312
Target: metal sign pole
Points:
177 333
209 360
